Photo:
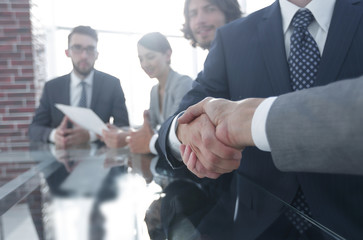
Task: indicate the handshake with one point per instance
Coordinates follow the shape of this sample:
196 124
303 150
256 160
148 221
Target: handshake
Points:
213 133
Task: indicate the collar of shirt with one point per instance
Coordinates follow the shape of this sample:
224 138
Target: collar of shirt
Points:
75 80
76 88
322 11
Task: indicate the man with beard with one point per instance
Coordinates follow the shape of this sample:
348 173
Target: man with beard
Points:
254 57
203 17
83 87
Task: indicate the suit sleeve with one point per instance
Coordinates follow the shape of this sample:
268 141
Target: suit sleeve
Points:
153 108
40 128
319 129
119 109
210 82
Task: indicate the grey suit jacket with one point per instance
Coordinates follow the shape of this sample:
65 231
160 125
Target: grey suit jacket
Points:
319 130
177 86
107 101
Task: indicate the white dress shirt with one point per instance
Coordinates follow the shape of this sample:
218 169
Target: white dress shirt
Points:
75 96
322 12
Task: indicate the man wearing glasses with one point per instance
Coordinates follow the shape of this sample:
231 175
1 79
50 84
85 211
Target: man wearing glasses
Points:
83 87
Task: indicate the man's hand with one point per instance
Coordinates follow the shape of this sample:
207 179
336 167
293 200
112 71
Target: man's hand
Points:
65 137
202 152
232 119
139 140
60 135
76 135
114 137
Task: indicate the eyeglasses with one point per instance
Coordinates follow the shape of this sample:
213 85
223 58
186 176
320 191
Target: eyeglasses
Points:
78 49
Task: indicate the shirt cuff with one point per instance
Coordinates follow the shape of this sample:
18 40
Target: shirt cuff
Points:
152 142
173 141
258 126
51 137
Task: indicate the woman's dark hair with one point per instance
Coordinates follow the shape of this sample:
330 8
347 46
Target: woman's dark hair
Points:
230 9
155 41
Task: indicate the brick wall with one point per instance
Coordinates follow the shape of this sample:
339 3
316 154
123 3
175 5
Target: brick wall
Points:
21 70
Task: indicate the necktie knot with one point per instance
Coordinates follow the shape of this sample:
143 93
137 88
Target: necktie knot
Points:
302 19
83 84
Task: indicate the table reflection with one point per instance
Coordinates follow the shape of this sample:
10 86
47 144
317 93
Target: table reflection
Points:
92 192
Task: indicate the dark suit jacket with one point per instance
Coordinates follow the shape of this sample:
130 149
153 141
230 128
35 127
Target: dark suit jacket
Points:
107 101
248 59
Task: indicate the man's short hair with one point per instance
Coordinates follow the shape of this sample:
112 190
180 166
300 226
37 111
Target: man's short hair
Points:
230 9
85 30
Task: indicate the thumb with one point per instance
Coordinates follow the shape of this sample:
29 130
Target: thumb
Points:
146 119
146 116
193 112
63 124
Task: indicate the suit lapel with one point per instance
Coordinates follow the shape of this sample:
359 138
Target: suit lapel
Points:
343 25
272 44
97 82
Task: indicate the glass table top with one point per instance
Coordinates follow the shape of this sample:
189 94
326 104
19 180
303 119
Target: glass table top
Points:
92 192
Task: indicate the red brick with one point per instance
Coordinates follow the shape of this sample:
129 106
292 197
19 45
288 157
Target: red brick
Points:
24 48
22 15
24 22
6 79
24 30
6 72
25 38
21 110
4 6
13 86
8 39
21 95
12 103
7 126
17 118
7 56
22 126
24 6
28 55
6 48
10 134
21 63
23 79
7 22
6 14
29 71
30 102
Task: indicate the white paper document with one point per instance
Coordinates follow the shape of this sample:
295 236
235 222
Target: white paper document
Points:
84 117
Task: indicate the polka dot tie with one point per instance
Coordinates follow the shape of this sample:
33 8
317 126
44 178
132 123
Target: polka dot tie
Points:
304 52
303 62
83 99
300 204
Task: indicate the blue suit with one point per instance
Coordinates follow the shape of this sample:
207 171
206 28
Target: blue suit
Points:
108 100
248 59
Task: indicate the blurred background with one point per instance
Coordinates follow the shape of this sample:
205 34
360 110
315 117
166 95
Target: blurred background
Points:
33 37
